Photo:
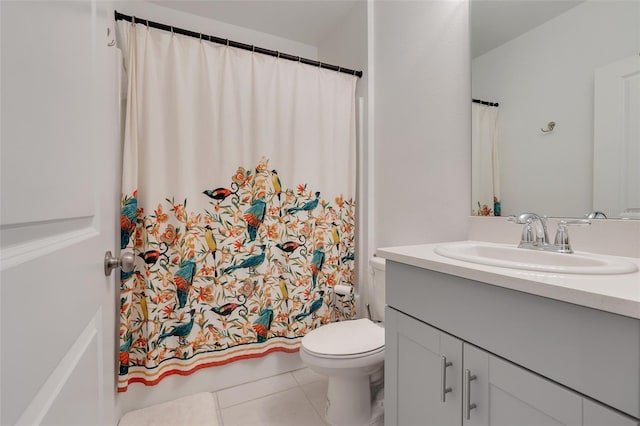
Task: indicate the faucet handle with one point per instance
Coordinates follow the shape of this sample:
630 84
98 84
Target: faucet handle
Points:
513 219
595 214
523 218
561 243
532 223
528 236
574 222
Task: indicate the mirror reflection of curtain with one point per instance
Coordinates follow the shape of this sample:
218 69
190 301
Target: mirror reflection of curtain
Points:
485 184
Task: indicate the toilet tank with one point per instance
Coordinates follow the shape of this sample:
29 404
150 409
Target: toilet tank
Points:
376 294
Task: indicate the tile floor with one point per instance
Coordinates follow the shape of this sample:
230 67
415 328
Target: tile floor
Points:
290 399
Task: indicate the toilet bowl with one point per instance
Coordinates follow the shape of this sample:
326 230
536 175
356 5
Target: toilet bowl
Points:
351 354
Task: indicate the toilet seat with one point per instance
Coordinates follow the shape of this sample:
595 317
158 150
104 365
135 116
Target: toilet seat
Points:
349 356
343 340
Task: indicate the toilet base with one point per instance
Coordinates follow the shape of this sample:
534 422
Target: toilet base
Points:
377 410
349 402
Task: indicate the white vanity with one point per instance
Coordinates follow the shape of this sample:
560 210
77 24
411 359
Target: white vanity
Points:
473 344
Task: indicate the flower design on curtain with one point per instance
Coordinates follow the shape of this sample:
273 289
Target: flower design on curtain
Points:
250 274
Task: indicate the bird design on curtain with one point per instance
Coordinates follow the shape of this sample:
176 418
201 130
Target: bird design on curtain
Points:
248 275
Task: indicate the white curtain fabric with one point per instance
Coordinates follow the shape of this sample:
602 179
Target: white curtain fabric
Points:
193 99
239 177
485 186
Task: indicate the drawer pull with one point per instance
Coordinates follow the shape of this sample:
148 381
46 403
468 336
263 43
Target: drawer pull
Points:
468 378
444 390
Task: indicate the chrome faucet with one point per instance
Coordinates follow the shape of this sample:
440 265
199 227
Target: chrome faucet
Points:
595 215
534 233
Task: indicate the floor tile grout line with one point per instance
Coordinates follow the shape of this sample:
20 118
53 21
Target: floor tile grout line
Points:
262 396
317 379
312 405
253 381
218 409
297 389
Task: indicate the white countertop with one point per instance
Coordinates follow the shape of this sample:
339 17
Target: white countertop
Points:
619 294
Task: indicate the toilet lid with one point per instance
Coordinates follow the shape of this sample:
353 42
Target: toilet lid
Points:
345 338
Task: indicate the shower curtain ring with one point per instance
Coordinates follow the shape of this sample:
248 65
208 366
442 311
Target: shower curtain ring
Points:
227 42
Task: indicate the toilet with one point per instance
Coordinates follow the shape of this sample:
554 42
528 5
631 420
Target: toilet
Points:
351 354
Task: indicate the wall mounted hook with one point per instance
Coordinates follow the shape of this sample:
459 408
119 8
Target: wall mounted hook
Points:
111 41
550 126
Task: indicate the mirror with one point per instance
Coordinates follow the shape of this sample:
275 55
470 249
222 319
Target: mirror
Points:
564 140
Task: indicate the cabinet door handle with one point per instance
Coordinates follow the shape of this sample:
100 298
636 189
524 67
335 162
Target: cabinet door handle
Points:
444 390
468 378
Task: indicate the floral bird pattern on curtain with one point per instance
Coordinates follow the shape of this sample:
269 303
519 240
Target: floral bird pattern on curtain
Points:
250 274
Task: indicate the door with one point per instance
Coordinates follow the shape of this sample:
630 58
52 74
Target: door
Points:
616 155
594 414
499 393
422 373
59 188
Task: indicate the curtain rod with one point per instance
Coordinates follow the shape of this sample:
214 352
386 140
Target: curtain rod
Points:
492 104
122 17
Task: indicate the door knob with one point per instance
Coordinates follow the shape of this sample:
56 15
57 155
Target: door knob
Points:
125 262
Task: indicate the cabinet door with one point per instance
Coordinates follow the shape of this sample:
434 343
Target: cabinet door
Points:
598 415
506 395
417 359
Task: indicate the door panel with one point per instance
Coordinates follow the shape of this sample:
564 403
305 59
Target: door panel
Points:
506 395
418 349
80 367
598 415
47 92
59 191
616 189
507 409
526 389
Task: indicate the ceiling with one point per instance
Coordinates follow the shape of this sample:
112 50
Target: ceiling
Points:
494 22
304 21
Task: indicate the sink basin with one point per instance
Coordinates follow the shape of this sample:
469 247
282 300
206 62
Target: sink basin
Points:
534 260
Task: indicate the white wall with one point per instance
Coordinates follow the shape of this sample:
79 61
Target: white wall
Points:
547 75
215 378
421 121
604 236
346 45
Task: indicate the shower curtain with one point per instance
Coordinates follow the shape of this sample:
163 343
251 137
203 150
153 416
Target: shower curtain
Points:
485 183
238 202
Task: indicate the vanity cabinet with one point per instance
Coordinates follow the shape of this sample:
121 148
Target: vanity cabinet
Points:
433 378
537 361
423 373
